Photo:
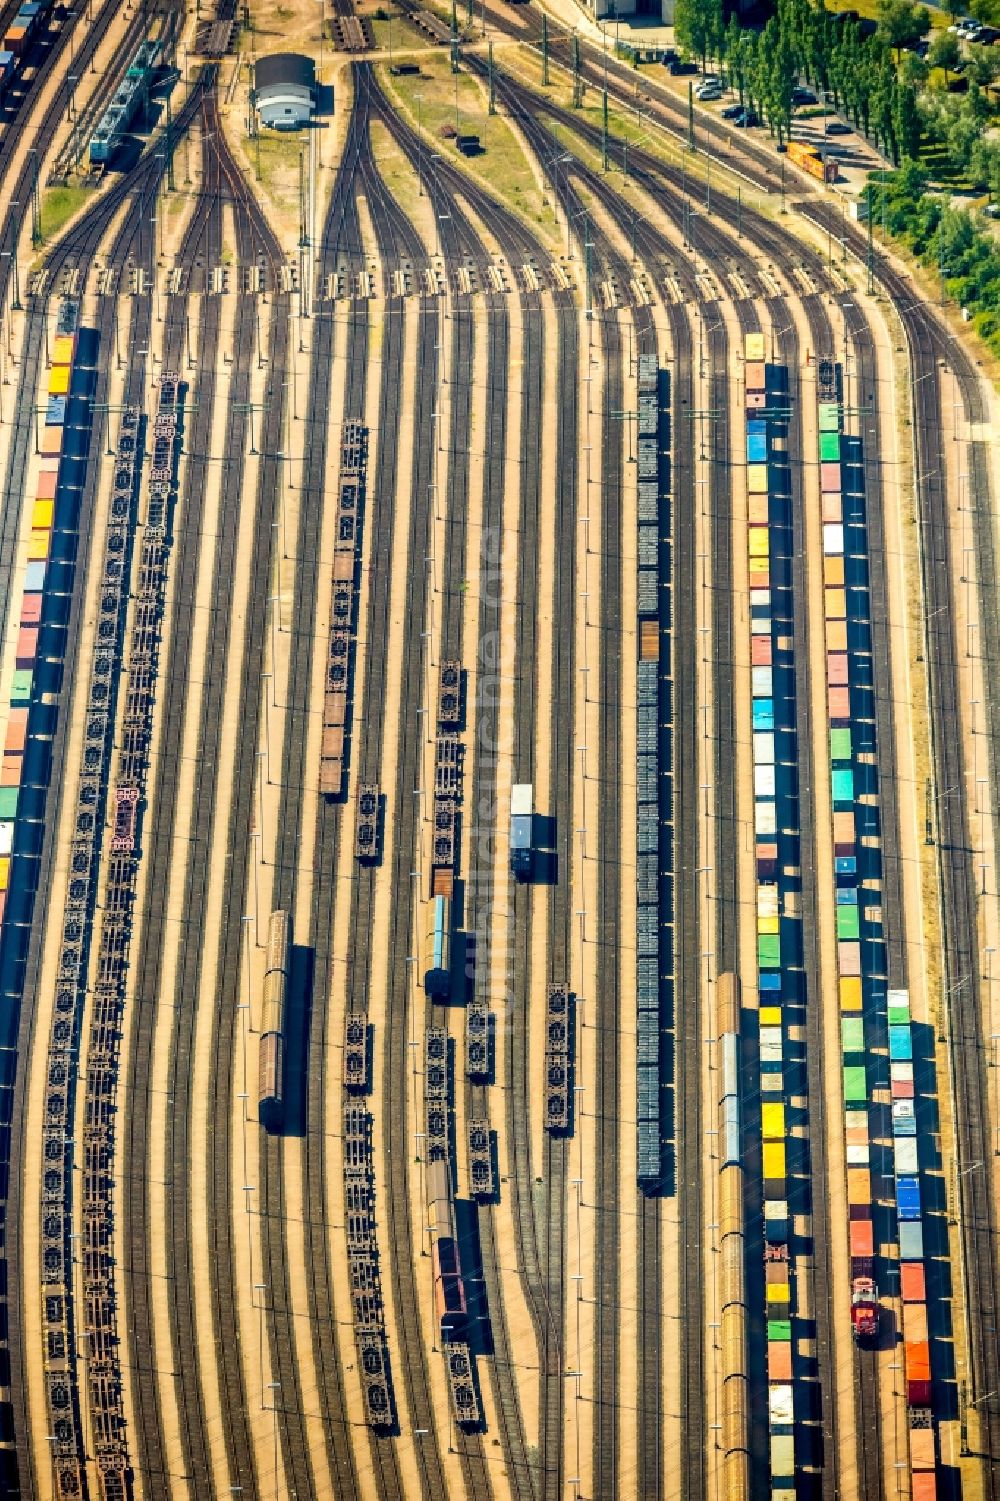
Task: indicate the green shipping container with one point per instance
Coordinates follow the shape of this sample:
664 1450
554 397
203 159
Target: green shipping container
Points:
847 923
840 745
780 1329
829 448
8 803
843 785
899 1016
829 417
852 1033
855 1086
769 951
20 688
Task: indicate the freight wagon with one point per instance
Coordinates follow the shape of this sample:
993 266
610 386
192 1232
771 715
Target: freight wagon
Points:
271 1097
132 92
22 30
811 161
437 948
522 831
449 1287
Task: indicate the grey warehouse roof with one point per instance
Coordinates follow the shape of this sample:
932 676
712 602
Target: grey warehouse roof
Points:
284 68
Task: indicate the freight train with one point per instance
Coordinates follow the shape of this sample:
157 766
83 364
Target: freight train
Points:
437 949
132 92
271 1101
28 22
449 1286
347 541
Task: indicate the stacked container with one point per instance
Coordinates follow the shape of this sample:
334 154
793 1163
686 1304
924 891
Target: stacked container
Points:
30 619
912 1285
654 772
762 541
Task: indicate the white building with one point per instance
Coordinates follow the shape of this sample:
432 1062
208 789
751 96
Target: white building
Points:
284 90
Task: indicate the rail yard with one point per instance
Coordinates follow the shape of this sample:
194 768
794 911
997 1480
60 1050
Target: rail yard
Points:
500 701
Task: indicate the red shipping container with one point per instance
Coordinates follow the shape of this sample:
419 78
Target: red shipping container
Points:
862 1238
760 651
779 1360
45 485
755 378
918 1394
836 669
902 1089
924 1486
31 609
756 401
912 1284
27 646
829 478
857 1210
839 700
17 732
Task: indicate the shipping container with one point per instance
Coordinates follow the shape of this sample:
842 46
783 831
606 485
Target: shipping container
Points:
773 1122
763 714
753 348
840 745
764 819
900 1044
755 376
20 690
922 1449
911 1240
862 1235
59 380
8 804
842 784
829 417
757 479
756 448
27 646
758 542
763 781
849 958
852 1033
833 573
829 477
763 748
41 514
17 732
758 510
833 509
829 447
63 349
833 538
847 923
38 546
835 604
838 704
782 1458
836 669
34 578
760 651
859 1186
855 1085
923 1486
45 485
905 1155
912 1282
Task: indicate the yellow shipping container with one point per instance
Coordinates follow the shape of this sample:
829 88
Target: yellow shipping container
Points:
850 993
770 1016
38 546
773 1122
758 542
753 347
41 514
59 380
769 925
757 479
778 1292
774 1160
4 872
62 350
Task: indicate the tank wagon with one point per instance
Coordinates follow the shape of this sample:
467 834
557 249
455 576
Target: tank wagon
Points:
558 1059
131 93
437 948
271 1100
336 700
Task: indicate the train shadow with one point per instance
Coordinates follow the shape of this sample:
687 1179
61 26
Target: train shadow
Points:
298 1014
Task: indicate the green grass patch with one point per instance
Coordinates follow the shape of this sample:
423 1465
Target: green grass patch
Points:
436 100
400 36
58 207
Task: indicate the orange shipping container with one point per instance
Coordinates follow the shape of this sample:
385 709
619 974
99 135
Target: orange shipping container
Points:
836 635
915 1323
850 990
835 604
649 640
836 669
755 375
918 1359
758 510
27 646
779 1360
912 1283
833 572
45 484
839 703
10 771
52 438
859 1187
17 732
923 1486
922 1448
857 1136
862 1238
832 508
760 578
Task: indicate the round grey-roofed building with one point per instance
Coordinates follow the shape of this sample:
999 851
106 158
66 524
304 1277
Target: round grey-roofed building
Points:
284 90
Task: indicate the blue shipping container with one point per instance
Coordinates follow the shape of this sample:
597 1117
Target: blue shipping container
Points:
900 1044
756 449
763 714
908 1198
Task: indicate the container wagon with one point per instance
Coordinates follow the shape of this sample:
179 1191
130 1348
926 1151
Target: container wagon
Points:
558 1059
271 1100
437 949
522 830
366 844
481 1172
437 1094
132 92
450 693
810 160
462 1385
356 1053
477 1040
449 1287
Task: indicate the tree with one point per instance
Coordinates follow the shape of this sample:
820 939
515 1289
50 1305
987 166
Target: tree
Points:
945 53
902 23
698 27
984 66
907 121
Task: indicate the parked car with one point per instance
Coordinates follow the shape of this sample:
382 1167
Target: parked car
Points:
708 92
680 69
746 119
838 128
803 96
732 111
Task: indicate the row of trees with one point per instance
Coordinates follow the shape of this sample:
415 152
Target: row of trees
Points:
948 240
803 40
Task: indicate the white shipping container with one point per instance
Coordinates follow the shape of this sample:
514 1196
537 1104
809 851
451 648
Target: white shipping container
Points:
6 838
833 539
901 1072
763 748
857 1156
905 1155
779 1402
770 1044
765 818
767 900
521 799
763 781
776 1209
760 597
898 998
761 682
